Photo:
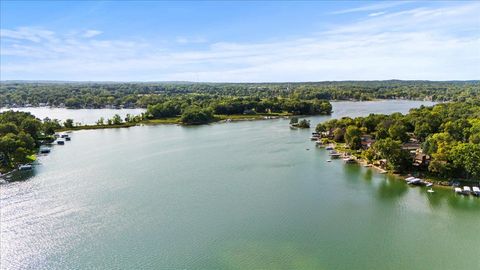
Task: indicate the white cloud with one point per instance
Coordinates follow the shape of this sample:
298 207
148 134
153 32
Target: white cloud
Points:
91 33
417 43
28 33
372 7
374 14
186 40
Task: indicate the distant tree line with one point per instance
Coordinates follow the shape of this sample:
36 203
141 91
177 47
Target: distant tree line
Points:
130 95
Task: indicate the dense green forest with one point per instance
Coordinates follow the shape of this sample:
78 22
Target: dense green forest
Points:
447 135
101 95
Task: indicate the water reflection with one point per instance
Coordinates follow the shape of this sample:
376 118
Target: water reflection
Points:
466 203
368 175
20 176
391 188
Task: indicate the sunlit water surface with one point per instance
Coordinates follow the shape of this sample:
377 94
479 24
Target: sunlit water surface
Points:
245 195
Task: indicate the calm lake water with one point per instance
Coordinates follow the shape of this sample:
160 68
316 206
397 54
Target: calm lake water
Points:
245 195
84 116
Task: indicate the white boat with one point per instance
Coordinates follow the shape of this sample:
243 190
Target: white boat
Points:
476 191
466 190
458 190
334 154
329 147
409 178
415 181
25 167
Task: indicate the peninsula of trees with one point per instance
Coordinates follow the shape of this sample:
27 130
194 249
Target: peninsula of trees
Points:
439 141
21 135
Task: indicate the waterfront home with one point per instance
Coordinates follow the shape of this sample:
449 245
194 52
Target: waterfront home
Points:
410 146
366 141
421 159
382 163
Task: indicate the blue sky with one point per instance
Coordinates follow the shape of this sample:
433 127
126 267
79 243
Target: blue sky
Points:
239 41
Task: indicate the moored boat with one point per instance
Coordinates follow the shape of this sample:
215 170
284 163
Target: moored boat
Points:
334 154
25 167
466 190
476 191
409 178
349 160
415 181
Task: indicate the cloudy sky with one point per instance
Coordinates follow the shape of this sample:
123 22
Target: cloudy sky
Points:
239 42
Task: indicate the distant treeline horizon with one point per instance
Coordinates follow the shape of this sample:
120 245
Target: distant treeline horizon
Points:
224 82
142 94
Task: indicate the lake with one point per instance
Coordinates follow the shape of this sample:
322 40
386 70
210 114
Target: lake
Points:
341 108
84 116
240 195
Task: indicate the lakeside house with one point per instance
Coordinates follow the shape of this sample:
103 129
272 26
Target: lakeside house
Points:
367 141
382 163
411 146
421 159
